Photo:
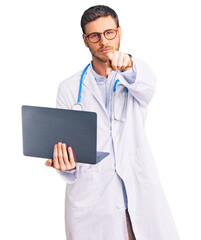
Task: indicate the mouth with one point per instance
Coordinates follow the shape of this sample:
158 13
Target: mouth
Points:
105 50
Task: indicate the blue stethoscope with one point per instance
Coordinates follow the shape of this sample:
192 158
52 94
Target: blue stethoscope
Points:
78 105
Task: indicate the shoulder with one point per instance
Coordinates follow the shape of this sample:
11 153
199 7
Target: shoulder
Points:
68 88
71 81
66 94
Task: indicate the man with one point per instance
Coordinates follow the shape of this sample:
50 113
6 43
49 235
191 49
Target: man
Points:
119 198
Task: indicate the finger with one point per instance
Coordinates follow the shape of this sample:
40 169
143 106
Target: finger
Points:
55 158
110 56
65 156
108 71
49 163
108 63
60 157
71 158
114 61
120 60
126 61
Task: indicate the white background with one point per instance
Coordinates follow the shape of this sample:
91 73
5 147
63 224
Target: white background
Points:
41 45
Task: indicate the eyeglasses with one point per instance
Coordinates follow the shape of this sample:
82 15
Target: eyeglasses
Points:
95 37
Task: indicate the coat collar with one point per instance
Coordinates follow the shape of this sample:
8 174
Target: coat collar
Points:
90 82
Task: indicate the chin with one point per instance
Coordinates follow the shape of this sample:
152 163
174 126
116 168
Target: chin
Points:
102 59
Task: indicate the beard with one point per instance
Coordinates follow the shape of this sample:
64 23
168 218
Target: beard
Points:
100 56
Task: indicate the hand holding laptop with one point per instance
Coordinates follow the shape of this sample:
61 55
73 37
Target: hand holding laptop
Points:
61 159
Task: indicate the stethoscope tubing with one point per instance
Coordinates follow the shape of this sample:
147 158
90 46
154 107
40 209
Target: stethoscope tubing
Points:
114 92
81 81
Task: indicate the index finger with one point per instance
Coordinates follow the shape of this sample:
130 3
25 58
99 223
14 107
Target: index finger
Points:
71 157
110 55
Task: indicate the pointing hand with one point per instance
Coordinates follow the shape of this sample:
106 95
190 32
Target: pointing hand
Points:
118 61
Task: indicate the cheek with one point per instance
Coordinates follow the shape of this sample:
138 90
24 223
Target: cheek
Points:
117 45
93 48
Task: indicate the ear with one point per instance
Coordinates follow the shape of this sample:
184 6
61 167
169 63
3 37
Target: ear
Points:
85 40
120 32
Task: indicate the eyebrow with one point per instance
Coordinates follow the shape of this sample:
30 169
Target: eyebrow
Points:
101 32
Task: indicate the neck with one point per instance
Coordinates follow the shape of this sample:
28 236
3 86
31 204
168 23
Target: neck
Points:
100 67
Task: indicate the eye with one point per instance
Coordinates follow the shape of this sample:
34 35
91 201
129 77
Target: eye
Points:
94 35
110 31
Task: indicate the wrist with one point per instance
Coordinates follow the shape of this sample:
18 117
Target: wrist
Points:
129 66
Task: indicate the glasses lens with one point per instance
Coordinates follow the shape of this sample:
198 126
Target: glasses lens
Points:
94 37
110 34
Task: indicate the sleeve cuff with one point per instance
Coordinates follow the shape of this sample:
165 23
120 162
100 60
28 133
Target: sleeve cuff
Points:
130 75
69 177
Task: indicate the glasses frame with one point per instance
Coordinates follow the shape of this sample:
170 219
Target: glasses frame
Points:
99 34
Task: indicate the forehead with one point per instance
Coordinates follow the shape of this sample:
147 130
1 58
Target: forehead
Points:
100 25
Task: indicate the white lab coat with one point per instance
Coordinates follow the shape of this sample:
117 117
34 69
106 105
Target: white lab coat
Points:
94 204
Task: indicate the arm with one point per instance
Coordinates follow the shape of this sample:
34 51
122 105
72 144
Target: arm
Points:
139 78
143 85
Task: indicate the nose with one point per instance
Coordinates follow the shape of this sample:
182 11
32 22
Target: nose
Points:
103 40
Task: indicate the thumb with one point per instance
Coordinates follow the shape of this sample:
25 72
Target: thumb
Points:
108 70
49 163
110 56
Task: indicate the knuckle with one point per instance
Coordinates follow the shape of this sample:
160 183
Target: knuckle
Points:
69 166
119 66
63 168
116 54
63 144
60 157
114 66
121 54
57 167
54 157
65 158
70 154
73 164
125 65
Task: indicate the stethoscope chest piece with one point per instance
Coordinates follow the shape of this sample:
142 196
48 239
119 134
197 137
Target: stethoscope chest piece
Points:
77 106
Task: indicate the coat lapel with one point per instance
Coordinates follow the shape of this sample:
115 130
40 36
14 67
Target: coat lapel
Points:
92 86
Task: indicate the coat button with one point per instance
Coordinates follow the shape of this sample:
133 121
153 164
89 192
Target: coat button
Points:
118 207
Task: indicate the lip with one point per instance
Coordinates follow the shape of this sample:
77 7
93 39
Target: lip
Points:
106 50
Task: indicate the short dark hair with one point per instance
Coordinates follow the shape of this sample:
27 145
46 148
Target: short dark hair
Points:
95 12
